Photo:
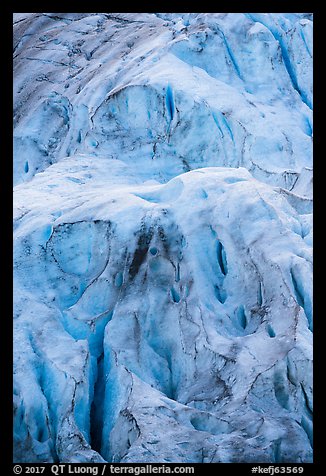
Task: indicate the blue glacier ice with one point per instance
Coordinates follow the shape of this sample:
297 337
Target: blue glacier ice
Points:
163 237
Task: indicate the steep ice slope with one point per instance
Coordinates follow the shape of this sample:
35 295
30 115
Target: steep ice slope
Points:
163 290
218 90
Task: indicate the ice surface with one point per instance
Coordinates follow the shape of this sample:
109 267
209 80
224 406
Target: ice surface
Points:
163 237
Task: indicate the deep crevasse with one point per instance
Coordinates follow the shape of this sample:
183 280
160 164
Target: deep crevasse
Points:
163 234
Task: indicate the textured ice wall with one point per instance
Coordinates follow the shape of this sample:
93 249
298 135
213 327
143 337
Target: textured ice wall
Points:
165 96
163 233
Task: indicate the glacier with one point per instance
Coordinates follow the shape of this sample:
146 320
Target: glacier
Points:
163 237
